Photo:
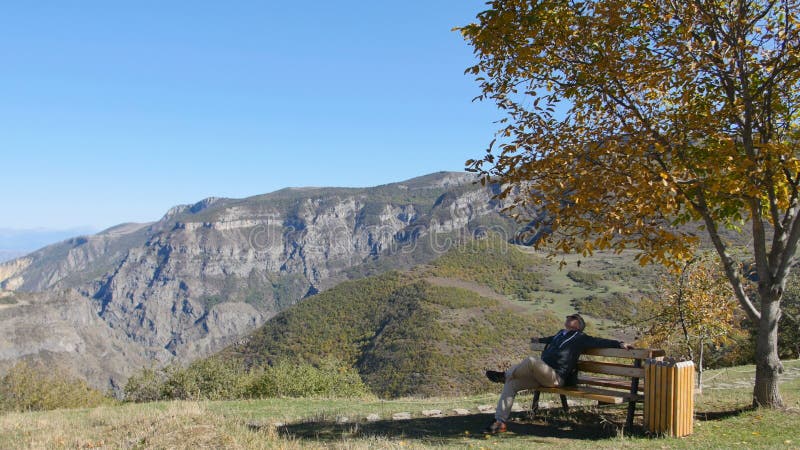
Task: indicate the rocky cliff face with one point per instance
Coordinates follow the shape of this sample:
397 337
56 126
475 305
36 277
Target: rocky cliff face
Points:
61 329
208 273
73 262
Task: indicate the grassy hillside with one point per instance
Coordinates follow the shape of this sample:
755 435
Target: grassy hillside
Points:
435 329
494 263
404 335
605 287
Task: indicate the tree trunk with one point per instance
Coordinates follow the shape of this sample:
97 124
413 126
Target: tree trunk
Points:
768 364
699 389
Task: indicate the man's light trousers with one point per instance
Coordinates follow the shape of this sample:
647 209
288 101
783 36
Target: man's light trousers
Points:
531 373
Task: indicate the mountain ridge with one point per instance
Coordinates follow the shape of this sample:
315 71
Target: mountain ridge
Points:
206 273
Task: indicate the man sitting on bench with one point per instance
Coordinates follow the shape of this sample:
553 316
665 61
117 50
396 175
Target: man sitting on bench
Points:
557 366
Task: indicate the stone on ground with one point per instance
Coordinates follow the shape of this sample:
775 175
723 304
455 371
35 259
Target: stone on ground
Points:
432 412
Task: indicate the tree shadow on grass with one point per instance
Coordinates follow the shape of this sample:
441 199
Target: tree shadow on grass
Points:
589 424
720 415
578 426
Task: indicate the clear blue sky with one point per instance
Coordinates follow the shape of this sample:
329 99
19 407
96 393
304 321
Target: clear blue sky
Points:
113 112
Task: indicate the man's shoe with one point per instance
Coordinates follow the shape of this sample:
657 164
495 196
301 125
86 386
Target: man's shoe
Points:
495 376
496 427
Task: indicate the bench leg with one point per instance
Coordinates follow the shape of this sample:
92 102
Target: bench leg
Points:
535 403
564 403
634 391
631 410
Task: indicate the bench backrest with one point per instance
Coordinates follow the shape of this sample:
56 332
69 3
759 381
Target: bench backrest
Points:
633 369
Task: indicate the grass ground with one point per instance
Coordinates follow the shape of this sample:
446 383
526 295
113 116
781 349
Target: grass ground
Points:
722 420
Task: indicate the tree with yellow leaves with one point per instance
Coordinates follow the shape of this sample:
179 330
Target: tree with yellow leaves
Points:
693 308
628 118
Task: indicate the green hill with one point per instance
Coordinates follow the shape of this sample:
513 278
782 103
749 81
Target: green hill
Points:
404 335
433 330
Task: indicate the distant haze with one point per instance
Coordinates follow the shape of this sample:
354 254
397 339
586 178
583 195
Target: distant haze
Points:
15 243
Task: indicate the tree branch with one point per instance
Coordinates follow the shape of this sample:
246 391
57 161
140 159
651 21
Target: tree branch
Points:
728 263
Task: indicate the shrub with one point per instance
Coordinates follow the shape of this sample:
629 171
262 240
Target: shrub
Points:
146 386
288 379
209 379
34 388
215 379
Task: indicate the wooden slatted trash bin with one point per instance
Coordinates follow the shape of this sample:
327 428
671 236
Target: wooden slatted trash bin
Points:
669 397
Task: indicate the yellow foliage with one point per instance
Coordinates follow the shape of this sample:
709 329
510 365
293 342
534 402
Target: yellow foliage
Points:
659 125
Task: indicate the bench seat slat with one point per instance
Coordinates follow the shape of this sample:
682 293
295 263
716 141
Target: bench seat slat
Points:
576 392
626 396
601 395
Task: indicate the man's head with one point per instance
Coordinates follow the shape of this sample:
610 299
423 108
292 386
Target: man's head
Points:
574 322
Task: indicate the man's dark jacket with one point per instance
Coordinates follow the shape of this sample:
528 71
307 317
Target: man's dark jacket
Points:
564 349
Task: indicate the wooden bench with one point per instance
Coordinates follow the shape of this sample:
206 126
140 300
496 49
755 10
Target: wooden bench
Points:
619 381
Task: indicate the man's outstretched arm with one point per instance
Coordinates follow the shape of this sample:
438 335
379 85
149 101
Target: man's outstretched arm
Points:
592 342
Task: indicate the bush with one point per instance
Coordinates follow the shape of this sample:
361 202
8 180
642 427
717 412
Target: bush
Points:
33 388
145 386
209 379
215 379
286 379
